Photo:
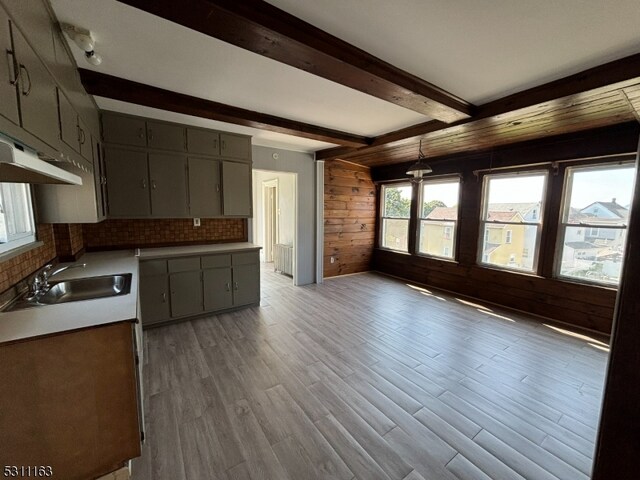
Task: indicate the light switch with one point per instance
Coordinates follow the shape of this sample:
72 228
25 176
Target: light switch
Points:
196 222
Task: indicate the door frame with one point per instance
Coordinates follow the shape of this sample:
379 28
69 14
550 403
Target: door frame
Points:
266 215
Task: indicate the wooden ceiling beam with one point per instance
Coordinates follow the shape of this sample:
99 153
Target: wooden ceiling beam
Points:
108 86
622 75
259 27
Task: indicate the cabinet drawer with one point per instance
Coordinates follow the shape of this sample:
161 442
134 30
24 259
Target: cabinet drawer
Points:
184 264
246 258
216 261
203 141
153 267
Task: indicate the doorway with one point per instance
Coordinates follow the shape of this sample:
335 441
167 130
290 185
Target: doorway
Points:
270 203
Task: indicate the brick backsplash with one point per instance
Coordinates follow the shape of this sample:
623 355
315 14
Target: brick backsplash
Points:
69 240
112 234
19 267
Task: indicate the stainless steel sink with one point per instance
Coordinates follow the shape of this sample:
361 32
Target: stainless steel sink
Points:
77 289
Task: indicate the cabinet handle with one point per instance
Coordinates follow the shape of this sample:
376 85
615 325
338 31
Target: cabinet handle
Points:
13 67
153 184
83 138
228 286
235 285
215 144
217 187
150 134
144 183
164 297
103 180
141 134
223 145
28 90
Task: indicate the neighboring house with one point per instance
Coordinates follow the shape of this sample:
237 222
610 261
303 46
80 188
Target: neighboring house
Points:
438 238
506 244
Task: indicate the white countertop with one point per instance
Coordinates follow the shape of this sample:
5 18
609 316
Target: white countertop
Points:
161 252
50 319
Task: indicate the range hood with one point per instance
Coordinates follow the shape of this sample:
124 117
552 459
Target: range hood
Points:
19 164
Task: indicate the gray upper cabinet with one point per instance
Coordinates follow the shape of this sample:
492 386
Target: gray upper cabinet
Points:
124 130
186 293
127 182
165 136
235 146
167 174
236 189
84 137
8 72
38 97
204 187
69 132
100 180
204 142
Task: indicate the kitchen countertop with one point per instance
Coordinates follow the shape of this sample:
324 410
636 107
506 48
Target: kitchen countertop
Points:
162 252
51 319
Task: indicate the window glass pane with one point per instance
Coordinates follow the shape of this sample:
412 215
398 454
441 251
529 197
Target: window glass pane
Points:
440 200
509 246
514 198
593 254
395 234
397 201
599 195
436 238
16 223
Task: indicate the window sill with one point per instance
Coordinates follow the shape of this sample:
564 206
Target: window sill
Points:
575 281
439 259
400 252
20 250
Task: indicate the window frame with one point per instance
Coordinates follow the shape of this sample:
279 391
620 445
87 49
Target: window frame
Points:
383 186
539 224
20 240
587 227
454 233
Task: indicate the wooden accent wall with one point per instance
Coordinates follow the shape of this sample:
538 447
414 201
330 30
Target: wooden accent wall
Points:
577 304
123 234
349 218
23 265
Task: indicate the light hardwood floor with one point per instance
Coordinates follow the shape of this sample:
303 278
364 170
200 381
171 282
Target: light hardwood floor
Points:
366 377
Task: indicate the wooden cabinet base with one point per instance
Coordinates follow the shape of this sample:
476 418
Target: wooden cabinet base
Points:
69 401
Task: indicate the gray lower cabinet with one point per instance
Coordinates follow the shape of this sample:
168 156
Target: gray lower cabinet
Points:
168 176
154 299
204 187
186 293
236 189
8 72
217 284
246 284
127 183
37 92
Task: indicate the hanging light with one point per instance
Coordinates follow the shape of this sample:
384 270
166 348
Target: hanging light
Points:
420 168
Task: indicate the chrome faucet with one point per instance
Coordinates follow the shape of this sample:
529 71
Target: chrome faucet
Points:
39 281
46 275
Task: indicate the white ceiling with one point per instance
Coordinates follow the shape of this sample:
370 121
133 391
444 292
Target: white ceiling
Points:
479 50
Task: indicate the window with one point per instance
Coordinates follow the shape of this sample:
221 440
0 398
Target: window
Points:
16 216
509 236
513 206
438 217
593 230
396 210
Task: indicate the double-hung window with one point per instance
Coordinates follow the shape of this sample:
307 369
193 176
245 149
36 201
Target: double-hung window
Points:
511 220
438 217
16 216
593 227
396 211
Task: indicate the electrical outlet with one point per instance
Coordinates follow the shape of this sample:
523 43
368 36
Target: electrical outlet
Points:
196 222
333 259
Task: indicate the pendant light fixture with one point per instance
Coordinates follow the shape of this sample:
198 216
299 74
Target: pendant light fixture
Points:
420 168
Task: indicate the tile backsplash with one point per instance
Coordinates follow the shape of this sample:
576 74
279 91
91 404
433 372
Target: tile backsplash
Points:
114 233
69 240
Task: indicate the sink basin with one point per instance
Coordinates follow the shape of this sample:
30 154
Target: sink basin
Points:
78 289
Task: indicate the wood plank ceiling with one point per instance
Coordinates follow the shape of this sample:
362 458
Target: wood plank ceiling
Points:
604 95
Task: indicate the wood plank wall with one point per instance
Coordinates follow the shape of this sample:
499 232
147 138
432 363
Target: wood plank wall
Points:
349 218
582 305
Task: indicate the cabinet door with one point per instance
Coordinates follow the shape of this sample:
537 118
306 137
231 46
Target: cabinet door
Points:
127 183
236 189
203 141
186 293
154 299
8 72
99 178
38 98
165 136
124 130
217 289
85 140
168 175
69 130
204 187
235 146
246 284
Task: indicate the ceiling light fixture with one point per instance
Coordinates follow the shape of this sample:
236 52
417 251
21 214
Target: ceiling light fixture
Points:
85 41
420 168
